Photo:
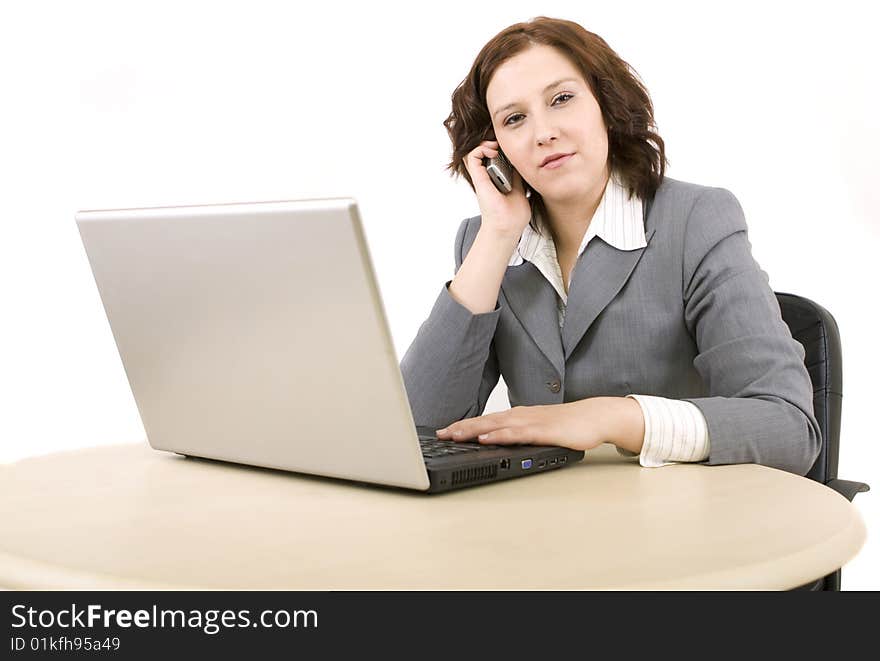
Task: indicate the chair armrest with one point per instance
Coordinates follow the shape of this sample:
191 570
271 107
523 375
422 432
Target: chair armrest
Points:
846 488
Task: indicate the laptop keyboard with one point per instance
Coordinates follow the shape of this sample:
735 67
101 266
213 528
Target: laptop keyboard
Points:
434 447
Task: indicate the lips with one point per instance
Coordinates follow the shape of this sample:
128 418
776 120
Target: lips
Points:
557 162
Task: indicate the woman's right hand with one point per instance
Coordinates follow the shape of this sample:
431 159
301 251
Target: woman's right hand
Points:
506 215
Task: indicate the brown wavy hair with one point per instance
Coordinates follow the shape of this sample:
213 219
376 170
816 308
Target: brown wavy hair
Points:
626 106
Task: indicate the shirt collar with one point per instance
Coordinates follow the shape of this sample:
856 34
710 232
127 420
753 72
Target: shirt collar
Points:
619 221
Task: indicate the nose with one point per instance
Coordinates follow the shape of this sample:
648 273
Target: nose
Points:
545 134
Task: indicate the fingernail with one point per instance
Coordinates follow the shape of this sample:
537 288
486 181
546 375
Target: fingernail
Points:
483 437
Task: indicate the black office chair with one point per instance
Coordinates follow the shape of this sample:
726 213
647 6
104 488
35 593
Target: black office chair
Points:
815 328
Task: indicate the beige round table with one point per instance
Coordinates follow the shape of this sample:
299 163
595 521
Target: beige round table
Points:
129 517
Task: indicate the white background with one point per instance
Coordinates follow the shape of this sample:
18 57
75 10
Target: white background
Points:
121 104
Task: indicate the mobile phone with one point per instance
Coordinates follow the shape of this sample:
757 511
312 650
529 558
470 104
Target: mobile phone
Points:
500 172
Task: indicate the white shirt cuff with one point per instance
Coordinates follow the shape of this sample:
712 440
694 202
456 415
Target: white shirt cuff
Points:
675 431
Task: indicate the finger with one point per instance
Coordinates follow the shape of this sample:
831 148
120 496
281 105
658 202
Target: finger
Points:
479 174
472 427
468 432
475 158
466 424
526 434
509 435
486 148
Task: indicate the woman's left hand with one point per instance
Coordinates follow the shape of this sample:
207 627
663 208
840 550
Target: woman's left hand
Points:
580 425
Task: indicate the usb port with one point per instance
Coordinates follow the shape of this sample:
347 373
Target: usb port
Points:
526 464
505 463
553 461
541 463
562 460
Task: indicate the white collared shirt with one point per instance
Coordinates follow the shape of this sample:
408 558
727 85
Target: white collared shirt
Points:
675 431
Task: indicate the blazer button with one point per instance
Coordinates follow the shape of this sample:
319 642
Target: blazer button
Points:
553 386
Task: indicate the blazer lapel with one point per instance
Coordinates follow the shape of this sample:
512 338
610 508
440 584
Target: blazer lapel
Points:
532 300
599 274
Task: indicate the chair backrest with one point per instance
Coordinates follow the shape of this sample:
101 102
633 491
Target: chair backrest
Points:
815 328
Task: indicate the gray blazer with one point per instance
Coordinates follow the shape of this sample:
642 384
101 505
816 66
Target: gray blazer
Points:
691 316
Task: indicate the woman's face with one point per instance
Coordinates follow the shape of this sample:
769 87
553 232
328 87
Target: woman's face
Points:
533 121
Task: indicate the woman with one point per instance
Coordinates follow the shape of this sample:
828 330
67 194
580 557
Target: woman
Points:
620 305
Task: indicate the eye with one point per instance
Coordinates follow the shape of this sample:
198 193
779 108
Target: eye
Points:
565 94
570 96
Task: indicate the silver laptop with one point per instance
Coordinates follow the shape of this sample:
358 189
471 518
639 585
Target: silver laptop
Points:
256 334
